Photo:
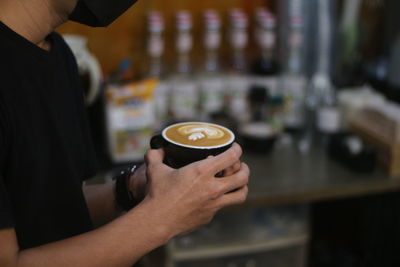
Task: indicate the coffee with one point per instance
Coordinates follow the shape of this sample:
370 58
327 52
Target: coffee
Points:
187 142
198 134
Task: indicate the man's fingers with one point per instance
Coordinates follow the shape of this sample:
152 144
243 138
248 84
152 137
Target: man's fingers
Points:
154 156
236 197
236 180
220 162
232 169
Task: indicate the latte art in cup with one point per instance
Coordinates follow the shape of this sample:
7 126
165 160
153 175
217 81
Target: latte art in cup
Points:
195 132
198 134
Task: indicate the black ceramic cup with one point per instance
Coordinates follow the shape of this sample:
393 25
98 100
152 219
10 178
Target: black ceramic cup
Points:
178 155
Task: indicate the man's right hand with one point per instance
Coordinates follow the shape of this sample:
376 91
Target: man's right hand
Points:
189 197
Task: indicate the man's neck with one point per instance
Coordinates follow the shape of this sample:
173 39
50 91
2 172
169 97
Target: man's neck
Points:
34 19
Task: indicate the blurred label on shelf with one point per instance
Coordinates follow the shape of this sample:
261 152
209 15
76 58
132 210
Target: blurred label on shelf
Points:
184 99
212 95
212 40
239 39
237 89
155 46
266 39
184 42
328 119
294 92
161 100
130 119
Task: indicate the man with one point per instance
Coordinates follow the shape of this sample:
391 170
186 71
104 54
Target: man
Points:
46 216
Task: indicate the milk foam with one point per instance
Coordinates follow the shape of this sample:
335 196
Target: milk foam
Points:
198 135
196 132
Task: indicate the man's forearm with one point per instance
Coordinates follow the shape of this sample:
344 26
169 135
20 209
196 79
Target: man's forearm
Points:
119 243
100 199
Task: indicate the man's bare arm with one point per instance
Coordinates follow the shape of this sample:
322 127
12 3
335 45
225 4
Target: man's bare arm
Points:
100 198
119 243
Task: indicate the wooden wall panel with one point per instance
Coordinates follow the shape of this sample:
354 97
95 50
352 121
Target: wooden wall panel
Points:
125 38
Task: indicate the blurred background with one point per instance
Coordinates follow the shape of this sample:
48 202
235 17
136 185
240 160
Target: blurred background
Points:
311 89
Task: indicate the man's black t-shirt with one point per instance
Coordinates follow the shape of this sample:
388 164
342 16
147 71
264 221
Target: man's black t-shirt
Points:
45 148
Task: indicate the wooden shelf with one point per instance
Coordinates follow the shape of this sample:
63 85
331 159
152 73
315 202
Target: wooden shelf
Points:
229 249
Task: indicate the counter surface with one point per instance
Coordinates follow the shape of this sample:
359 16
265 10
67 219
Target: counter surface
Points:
287 176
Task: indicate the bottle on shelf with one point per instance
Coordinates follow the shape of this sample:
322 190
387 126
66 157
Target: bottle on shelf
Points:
393 79
211 82
184 90
155 44
328 120
237 80
293 78
320 103
265 68
258 99
155 50
265 38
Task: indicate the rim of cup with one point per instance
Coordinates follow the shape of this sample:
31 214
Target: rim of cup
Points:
230 141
